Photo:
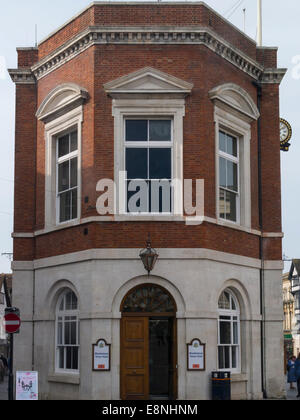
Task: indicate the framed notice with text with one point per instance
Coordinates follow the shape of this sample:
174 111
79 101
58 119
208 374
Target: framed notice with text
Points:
196 355
101 356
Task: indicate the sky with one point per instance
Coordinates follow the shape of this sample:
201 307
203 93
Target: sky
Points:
280 28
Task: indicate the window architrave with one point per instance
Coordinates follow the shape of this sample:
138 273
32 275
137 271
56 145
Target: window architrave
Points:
225 121
54 129
153 108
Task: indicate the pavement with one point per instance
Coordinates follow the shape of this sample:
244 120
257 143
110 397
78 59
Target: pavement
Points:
4 389
292 393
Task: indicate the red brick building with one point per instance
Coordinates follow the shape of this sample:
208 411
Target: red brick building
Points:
159 91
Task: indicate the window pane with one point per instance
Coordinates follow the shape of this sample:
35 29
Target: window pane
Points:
137 196
136 163
61 361
234 360
59 333
231 145
74 142
160 130
224 357
75 358
74 173
160 196
222 141
68 357
74 203
222 210
67 335
233 304
136 130
63 146
231 206
160 163
232 181
65 207
235 333
225 332
73 339
63 176
71 302
224 301
61 306
221 357
222 170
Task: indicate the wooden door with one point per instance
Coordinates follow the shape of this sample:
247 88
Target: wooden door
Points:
134 373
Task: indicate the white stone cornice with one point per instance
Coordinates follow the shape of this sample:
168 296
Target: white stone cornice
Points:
99 35
22 76
132 254
273 76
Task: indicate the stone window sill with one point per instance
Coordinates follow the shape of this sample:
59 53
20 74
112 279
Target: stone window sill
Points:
65 378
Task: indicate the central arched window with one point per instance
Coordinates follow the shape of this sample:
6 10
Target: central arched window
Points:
228 332
67 332
149 299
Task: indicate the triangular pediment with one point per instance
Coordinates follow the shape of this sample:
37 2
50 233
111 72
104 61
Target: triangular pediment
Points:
150 81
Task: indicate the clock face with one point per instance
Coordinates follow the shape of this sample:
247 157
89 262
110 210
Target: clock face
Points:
285 131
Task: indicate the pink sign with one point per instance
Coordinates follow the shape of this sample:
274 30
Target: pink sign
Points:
26 386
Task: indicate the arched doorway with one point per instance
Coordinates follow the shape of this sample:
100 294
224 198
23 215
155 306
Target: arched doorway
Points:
148 344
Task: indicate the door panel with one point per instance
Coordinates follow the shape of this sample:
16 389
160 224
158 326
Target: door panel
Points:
134 358
159 357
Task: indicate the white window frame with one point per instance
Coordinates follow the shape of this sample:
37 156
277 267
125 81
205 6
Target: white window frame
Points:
61 125
62 314
228 122
232 314
236 160
148 145
60 160
148 109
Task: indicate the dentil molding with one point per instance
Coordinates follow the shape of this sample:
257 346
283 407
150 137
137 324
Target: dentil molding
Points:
98 35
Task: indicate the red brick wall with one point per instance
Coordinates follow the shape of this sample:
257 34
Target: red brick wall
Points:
25 158
271 180
100 64
27 57
149 15
77 25
267 57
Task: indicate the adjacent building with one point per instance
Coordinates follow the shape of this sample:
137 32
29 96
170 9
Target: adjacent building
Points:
124 100
294 278
3 304
289 317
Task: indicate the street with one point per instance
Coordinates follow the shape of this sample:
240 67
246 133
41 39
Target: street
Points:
3 389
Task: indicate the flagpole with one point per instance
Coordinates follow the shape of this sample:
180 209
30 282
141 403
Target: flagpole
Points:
259 23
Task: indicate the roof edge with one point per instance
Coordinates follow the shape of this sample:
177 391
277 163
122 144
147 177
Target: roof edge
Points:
143 3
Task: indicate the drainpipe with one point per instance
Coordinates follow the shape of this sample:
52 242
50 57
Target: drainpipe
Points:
261 248
33 326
